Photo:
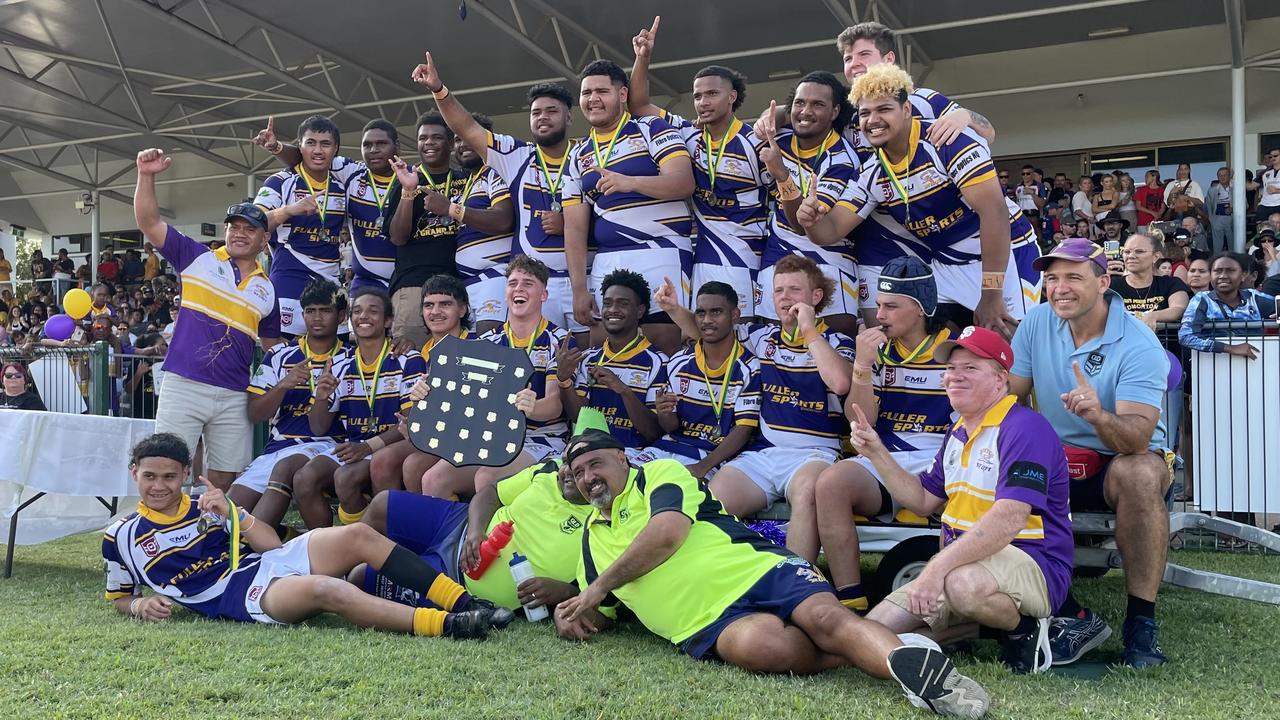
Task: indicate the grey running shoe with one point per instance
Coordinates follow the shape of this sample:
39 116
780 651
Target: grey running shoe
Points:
931 681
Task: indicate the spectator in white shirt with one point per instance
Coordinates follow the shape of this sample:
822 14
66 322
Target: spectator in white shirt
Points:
1183 184
1269 197
1082 201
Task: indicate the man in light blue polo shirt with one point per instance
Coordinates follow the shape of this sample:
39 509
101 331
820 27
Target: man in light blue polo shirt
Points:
1099 375
228 305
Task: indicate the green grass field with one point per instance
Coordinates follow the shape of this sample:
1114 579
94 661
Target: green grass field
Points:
65 654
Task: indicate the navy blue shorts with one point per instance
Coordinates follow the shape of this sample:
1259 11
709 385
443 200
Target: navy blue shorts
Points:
778 592
429 527
1087 494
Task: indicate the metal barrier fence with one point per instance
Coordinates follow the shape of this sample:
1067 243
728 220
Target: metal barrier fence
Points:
1221 421
67 378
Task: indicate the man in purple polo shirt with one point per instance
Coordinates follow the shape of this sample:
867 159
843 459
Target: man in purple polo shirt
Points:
1006 525
228 305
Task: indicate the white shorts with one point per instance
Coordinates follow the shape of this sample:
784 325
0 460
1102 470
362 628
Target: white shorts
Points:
868 281
291 320
558 309
655 265
289 560
487 293
255 476
640 456
913 461
192 410
333 456
742 280
772 468
843 302
542 447
1022 284
962 284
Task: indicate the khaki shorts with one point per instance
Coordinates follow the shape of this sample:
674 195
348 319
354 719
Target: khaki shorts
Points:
192 410
407 320
1017 576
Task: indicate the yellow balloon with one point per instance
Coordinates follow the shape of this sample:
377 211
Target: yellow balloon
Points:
77 303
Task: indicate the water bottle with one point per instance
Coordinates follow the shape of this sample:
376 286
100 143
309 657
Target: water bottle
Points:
491 547
521 570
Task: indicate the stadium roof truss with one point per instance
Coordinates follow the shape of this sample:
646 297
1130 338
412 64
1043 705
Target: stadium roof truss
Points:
91 81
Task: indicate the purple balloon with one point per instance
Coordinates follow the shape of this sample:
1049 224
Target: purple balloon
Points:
1175 370
59 327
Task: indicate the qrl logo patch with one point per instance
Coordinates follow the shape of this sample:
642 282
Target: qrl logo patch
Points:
151 547
1093 363
890 375
863 293
684 385
286 317
254 592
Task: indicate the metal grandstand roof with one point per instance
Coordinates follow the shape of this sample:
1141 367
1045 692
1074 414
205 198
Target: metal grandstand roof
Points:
88 81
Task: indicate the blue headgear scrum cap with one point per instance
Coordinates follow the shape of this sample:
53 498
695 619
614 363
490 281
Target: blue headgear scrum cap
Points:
911 277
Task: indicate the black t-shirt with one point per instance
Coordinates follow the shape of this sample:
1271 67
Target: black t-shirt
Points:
25 401
433 240
144 393
1151 298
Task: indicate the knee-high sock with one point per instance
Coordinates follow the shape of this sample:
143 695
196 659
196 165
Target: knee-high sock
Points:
404 568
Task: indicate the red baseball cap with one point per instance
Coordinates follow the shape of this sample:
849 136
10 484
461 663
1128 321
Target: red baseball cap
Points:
981 342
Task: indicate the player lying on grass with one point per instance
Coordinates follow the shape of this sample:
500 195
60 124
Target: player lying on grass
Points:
171 546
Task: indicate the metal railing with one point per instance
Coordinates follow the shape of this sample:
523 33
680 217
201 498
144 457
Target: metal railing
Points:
68 379
1221 421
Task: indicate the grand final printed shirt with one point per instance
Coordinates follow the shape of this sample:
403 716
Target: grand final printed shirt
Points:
797 410
368 398
735 387
1007 456
169 555
534 180
290 425
730 197
640 367
914 410
627 220
834 167
308 244
542 355
477 250
934 210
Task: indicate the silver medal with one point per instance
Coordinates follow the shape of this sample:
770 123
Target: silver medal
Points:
555 206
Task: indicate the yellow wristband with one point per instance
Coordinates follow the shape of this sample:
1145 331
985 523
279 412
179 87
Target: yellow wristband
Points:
787 190
442 93
860 376
992 281
375 443
456 211
812 337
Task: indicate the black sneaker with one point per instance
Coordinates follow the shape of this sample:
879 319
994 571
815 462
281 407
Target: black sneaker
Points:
932 682
1070 638
499 617
469 625
1141 643
1028 652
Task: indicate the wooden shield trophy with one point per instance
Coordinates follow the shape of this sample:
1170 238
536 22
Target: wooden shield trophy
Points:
469 416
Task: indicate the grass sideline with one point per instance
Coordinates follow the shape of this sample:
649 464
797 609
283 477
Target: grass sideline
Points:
65 653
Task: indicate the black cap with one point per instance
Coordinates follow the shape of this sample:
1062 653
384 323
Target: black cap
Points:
254 214
589 440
